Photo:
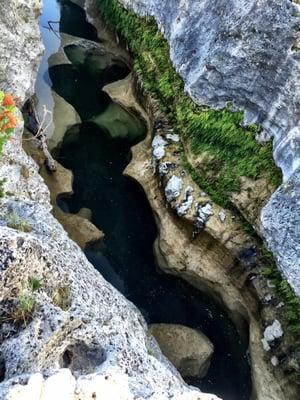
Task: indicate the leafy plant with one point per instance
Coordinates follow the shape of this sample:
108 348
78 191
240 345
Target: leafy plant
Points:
8 121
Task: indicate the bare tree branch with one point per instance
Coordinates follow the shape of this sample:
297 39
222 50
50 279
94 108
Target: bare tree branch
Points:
50 28
39 127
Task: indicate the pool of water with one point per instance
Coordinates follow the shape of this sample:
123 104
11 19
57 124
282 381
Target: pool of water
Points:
98 157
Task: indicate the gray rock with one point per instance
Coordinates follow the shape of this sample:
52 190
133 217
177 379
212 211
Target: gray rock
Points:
20 46
173 188
186 205
91 342
203 214
273 332
158 146
274 361
236 51
281 229
173 137
222 216
164 168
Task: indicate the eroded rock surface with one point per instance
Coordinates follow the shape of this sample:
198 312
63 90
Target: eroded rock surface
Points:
235 51
77 337
188 349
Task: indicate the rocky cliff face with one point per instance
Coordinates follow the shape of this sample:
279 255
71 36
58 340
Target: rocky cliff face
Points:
246 53
69 335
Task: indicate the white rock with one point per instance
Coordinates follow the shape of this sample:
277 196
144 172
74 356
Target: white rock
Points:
173 188
184 207
203 214
273 332
31 391
265 344
274 361
173 137
158 146
60 386
222 216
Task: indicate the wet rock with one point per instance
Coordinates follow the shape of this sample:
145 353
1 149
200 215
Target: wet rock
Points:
85 213
188 349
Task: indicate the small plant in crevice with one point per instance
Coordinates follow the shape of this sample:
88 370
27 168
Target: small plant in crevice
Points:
14 221
19 308
25 305
62 297
35 283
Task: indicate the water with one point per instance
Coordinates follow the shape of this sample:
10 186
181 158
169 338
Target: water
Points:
98 156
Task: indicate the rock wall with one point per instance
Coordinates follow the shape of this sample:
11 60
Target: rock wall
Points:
70 335
246 52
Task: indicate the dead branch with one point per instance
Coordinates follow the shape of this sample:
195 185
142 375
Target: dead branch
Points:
38 128
51 29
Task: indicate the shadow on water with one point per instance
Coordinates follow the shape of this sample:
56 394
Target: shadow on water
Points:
121 210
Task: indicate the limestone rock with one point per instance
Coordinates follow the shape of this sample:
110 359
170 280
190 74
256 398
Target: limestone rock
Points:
230 51
89 317
282 212
173 188
158 145
20 46
273 332
188 349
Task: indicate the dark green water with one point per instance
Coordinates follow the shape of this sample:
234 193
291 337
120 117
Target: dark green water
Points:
121 210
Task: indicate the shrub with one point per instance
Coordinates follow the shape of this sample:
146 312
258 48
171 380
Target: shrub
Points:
8 121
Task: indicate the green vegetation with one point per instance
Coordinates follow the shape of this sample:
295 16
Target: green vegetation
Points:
228 149
25 307
35 284
18 223
290 310
231 150
8 121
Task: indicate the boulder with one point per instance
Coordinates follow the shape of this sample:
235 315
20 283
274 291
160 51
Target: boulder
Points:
188 349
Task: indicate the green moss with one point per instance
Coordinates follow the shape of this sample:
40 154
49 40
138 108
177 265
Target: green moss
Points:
290 311
232 149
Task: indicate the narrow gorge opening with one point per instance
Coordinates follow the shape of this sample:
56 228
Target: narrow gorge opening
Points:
96 147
